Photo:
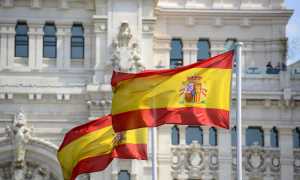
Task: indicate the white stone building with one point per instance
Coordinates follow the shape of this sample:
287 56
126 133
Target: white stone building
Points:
56 59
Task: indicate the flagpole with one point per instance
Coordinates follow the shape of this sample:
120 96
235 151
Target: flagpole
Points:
154 152
239 157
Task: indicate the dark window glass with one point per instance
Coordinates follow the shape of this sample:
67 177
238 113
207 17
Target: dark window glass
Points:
175 135
296 138
203 49
229 44
254 135
124 175
49 41
274 137
21 40
233 136
77 42
213 137
194 133
176 54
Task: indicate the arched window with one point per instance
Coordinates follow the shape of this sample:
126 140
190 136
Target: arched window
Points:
77 42
49 41
21 40
203 47
213 136
175 135
193 133
254 135
229 44
176 54
124 175
233 136
274 137
296 138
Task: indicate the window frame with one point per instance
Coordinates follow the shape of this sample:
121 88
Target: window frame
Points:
227 40
124 171
176 130
50 36
233 135
274 131
296 132
187 135
209 48
215 131
23 43
176 59
79 37
262 143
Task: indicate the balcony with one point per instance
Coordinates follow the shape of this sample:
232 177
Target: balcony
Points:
195 161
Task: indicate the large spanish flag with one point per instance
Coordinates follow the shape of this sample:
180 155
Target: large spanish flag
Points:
92 146
196 94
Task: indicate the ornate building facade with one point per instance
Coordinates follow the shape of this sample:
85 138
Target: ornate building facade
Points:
56 59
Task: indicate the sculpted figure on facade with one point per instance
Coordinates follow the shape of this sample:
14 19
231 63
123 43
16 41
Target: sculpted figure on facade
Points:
125 55
19 134
135 58
115 56
124 35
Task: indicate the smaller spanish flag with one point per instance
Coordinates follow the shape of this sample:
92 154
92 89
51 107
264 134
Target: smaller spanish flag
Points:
92 146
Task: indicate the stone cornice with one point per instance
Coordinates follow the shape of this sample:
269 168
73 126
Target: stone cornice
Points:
235 14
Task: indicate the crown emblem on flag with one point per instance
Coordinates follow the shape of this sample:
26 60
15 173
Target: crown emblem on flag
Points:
193 90
119 137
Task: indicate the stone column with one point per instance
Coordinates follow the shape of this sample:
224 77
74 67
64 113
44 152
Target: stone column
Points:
217 46
182 129
39 47
87 48
115 169
224 142
101 60
67 47
60 47
164 139
286 153
162 51
11 45
193 51
205 136
3 45
186 52
32 47
267 137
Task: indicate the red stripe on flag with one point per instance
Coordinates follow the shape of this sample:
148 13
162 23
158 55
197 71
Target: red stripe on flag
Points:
222 61
86 128
130 151
92 164
184 116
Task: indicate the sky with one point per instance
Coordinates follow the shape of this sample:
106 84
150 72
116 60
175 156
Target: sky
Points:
293 31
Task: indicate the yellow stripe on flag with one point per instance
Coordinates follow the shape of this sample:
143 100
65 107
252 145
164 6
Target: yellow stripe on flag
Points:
164 91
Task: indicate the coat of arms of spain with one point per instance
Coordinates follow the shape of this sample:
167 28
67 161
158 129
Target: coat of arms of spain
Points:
193 90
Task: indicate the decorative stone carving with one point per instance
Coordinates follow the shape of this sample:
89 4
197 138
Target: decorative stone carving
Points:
19 134
213 160
194 161
297 161
255 161
124 35
125 56
275 164
135 58
115 55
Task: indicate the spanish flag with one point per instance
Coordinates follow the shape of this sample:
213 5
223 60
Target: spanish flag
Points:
92 146
196 94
